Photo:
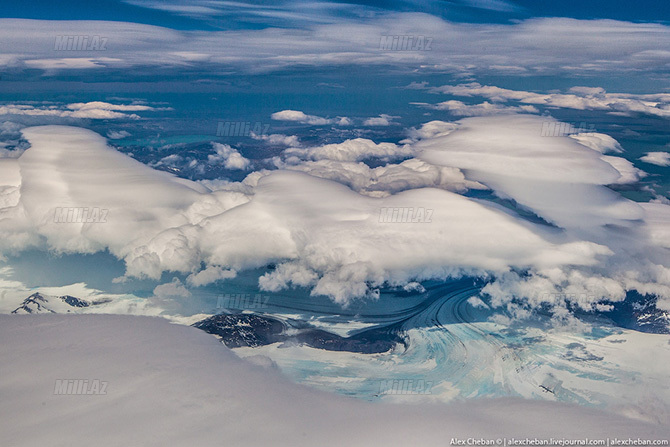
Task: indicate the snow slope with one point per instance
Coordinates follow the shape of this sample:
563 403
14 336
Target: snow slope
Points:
172 385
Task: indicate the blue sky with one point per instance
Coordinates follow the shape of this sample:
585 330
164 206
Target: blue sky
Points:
464 11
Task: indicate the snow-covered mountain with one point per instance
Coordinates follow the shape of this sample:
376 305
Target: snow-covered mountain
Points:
237 330
40 303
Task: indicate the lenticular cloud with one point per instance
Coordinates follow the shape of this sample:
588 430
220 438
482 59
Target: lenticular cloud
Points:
342 229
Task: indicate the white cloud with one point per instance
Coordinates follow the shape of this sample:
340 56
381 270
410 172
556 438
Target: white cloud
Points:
381 120
89 110
536 46
210 275
627 172
383 181
335 238
657 158
356 149
431 129
228 156
567 177
580 98
99 105
72 63
173 289
475 301
564 184
598 142
10 128
278 139
301 117
459 108
117 135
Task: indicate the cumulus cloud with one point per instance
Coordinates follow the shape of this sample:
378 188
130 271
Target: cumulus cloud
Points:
459 108
340 228
117 134
564 184
173 289
580 98
431 129
10 128
356 149
657 158
381 120
209 275
229 157
301 117
383 181
278 139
